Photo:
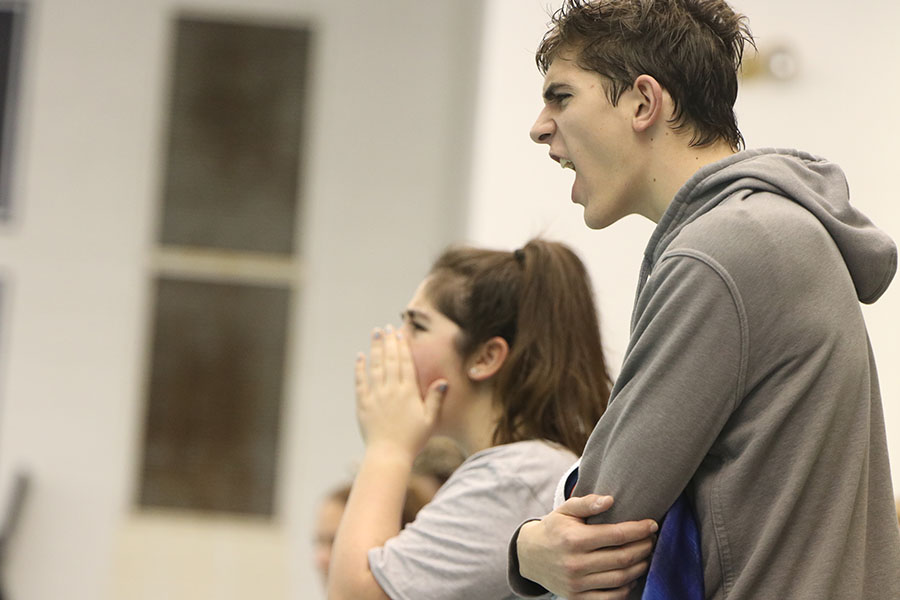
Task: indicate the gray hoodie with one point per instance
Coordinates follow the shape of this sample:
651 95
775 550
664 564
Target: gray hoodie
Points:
749 381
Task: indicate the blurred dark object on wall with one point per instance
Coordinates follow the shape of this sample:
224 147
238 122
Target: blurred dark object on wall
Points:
12 21
12 515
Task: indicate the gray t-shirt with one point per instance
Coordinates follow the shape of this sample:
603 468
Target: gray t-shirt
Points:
457 546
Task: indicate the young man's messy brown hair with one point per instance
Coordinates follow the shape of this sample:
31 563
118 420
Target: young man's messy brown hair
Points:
693 48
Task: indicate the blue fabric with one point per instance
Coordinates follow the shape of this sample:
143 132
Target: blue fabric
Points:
676 570
571 480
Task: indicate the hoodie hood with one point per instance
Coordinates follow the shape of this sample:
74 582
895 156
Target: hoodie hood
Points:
813 182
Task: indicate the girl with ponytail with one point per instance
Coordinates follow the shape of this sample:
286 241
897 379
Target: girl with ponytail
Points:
501 352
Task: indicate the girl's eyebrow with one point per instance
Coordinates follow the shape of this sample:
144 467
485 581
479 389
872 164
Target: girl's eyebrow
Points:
412 313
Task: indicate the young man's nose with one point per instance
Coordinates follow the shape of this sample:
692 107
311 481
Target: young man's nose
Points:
542 130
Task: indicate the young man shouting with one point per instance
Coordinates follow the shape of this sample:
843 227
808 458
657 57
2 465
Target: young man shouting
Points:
748 384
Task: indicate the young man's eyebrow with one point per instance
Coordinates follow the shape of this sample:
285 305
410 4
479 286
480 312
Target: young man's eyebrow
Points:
552 90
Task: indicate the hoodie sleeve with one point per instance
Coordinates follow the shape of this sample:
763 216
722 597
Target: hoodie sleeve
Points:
680 382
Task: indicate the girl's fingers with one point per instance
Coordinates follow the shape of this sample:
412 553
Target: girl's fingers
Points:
391 359
434 397
362 382
376 357
407 367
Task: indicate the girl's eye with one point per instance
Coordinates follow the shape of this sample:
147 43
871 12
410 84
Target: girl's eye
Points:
411 320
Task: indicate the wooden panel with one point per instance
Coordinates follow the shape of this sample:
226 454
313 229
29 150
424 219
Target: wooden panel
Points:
234 141
214 396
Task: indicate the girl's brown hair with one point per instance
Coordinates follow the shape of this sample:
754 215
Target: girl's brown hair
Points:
554 384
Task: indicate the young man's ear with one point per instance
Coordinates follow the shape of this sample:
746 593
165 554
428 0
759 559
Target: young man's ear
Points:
488 359
647 95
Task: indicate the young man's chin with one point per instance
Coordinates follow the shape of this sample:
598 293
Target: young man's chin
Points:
602 221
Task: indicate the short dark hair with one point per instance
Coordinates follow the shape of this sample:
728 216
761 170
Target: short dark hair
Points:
693 48
554 384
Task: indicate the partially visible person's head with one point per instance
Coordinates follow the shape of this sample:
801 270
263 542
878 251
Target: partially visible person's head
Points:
693 48
431 469
553 383
327 520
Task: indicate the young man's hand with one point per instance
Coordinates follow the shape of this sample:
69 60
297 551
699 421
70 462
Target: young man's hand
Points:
579 561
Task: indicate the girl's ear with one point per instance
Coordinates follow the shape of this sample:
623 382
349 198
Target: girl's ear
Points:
488 359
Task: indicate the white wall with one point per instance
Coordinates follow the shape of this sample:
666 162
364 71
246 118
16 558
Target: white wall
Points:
385 167
842 105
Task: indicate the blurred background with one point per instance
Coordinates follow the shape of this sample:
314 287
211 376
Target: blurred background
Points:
207 205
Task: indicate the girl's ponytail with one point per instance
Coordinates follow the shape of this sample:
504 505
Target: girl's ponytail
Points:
554 384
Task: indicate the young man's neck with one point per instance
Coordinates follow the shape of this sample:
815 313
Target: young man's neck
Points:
672 165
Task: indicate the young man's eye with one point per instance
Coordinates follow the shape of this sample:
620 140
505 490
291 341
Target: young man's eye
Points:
416 326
